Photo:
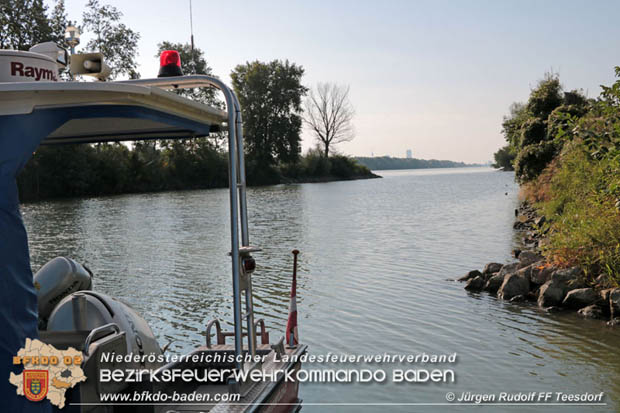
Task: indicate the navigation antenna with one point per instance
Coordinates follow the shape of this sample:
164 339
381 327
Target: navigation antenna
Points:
191 28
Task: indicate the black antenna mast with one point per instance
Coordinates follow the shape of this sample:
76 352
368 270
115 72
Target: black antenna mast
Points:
191 28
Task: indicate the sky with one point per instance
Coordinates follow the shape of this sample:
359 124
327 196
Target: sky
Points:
435 77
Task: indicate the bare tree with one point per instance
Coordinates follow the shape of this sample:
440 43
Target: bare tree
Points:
329 114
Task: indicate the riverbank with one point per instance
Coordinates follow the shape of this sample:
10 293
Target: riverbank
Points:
534 278
565 151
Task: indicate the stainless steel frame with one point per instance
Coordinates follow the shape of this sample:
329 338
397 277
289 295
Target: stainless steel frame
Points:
238 203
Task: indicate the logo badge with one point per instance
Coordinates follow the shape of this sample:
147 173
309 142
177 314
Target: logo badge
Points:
36 384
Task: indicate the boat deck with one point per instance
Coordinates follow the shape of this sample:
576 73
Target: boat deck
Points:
259 396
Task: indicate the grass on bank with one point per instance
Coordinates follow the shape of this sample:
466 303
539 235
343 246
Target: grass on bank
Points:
578 195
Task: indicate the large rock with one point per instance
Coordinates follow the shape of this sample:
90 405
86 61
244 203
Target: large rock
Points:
614 302
491 268
526 271
528 258
475 284
579 298
591 311
514 284
551 293
572 277
541 273
493 283
470 275
509 268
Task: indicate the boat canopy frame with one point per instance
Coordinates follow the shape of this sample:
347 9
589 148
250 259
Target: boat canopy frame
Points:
189 119
238 200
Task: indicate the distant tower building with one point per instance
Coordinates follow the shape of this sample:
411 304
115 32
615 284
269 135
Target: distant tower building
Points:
409 154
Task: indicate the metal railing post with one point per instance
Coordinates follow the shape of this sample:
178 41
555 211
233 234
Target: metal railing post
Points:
245 237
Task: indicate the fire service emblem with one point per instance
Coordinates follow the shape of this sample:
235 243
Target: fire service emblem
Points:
36 384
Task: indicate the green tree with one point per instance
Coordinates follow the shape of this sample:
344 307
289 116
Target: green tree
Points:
511 126
545 97
504 158
111 169
23 23
559 122
58 21
117 42
599 129
58 24
534 130
146 168
270 95
511 129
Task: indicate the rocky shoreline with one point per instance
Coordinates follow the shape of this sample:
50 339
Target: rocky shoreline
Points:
531 278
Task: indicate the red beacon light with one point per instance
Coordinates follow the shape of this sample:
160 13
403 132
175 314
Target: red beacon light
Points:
169 64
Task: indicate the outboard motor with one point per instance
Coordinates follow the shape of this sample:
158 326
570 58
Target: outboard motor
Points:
71 315
87 310
56 280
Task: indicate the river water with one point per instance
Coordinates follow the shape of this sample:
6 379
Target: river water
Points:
376 259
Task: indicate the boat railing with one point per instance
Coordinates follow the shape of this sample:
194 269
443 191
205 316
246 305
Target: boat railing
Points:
220 335
238 203
264 334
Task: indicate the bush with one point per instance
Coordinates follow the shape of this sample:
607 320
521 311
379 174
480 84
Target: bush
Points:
576 98
261 174
561 121
504 158
583 209
533 159
533 131
345 167
545 97
315 165
579 191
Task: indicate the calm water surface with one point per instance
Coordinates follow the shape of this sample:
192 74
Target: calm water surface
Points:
374 269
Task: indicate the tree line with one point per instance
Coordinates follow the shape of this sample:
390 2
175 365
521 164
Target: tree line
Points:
275 107
378 163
